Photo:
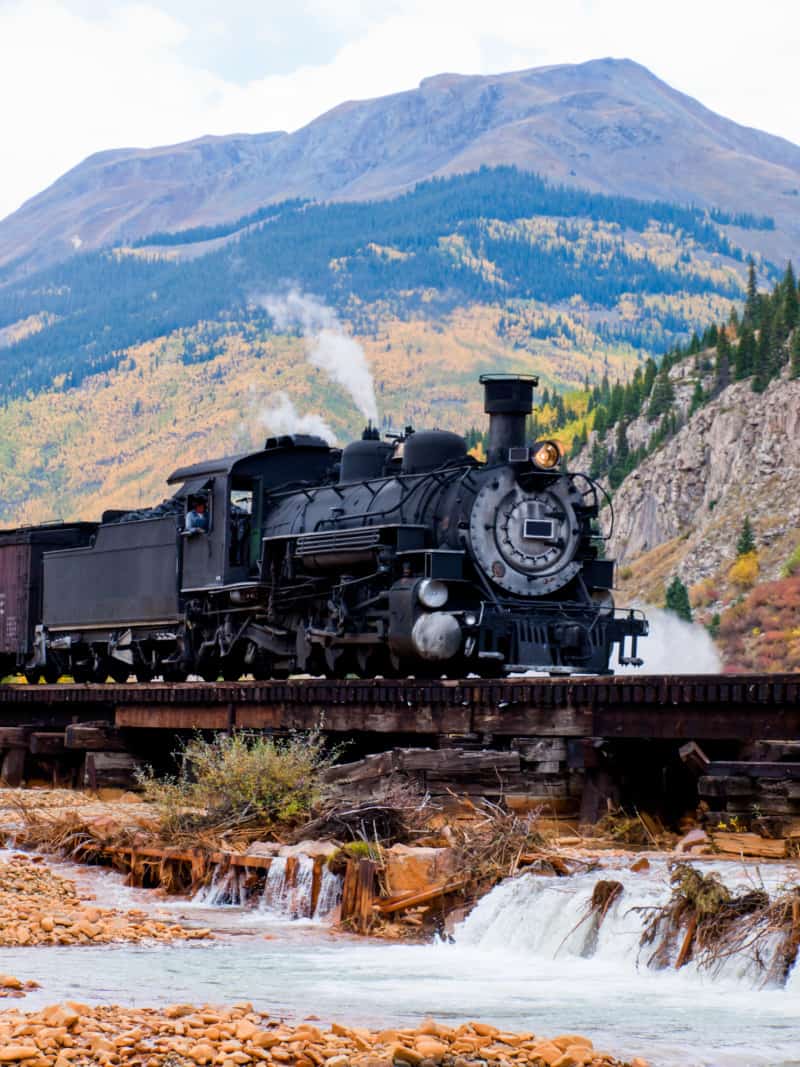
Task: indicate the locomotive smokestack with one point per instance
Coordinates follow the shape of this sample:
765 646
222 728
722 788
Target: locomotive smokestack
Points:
508 400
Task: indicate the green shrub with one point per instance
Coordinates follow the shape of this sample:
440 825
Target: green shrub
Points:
241 778
792 565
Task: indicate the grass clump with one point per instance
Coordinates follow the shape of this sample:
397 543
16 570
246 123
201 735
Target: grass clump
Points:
238 780
354 850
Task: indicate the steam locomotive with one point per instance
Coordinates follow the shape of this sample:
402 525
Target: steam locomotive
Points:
389 557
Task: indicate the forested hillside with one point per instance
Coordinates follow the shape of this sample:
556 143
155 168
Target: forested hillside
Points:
172 347
703 460
496 235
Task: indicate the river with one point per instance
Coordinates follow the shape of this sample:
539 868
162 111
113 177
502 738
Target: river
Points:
521 960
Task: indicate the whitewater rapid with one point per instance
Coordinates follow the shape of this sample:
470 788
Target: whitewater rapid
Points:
522 959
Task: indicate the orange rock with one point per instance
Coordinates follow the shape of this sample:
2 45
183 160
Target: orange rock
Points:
410 868
202 1053
12 1053
484 1029
565 1040
548 1053
264 1039
574 1056
405 1054
431 1049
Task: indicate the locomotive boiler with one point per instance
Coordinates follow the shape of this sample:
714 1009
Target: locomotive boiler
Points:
389 557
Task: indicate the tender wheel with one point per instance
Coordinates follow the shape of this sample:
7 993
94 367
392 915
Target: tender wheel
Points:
143 674
119 672
32 675
173 672
81 673
51 673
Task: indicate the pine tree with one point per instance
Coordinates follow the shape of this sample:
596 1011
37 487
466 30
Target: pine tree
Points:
747 541
698 397
791 300
598 462
722 365
663 395
600 420
677 600
752 305
745 354
794 365
621 450
616 403
620 464
633 398
578 442
763 364
650 372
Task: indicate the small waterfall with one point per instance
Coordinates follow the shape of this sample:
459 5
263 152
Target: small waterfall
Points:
225 887
330 893
276 888
549 918
289 889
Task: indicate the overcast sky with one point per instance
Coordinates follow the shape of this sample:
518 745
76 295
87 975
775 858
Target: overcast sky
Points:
78 76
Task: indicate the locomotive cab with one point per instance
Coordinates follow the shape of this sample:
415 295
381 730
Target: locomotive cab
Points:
235 487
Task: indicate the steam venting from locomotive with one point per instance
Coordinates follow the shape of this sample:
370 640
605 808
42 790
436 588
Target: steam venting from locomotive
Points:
328 346
282 417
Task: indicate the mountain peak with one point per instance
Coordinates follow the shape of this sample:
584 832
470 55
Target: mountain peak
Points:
608 124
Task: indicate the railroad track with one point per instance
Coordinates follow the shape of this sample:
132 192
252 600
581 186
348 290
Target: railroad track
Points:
679 706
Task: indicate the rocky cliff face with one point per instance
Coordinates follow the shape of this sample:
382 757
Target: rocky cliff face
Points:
682 510
607 125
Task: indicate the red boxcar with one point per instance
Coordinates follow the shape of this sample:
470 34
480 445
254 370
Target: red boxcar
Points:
21 553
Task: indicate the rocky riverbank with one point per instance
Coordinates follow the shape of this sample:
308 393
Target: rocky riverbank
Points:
64 1035
40 907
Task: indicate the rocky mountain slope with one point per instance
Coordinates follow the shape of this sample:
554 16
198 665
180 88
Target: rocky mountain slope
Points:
738 455
681 512
607 125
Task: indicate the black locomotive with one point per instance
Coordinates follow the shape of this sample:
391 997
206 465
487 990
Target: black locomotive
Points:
401 556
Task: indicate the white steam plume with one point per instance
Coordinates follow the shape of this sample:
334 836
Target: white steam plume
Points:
284 418
674 647
327 345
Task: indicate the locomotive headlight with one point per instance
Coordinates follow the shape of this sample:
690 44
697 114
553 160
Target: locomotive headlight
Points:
432 593
546 454
470 619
